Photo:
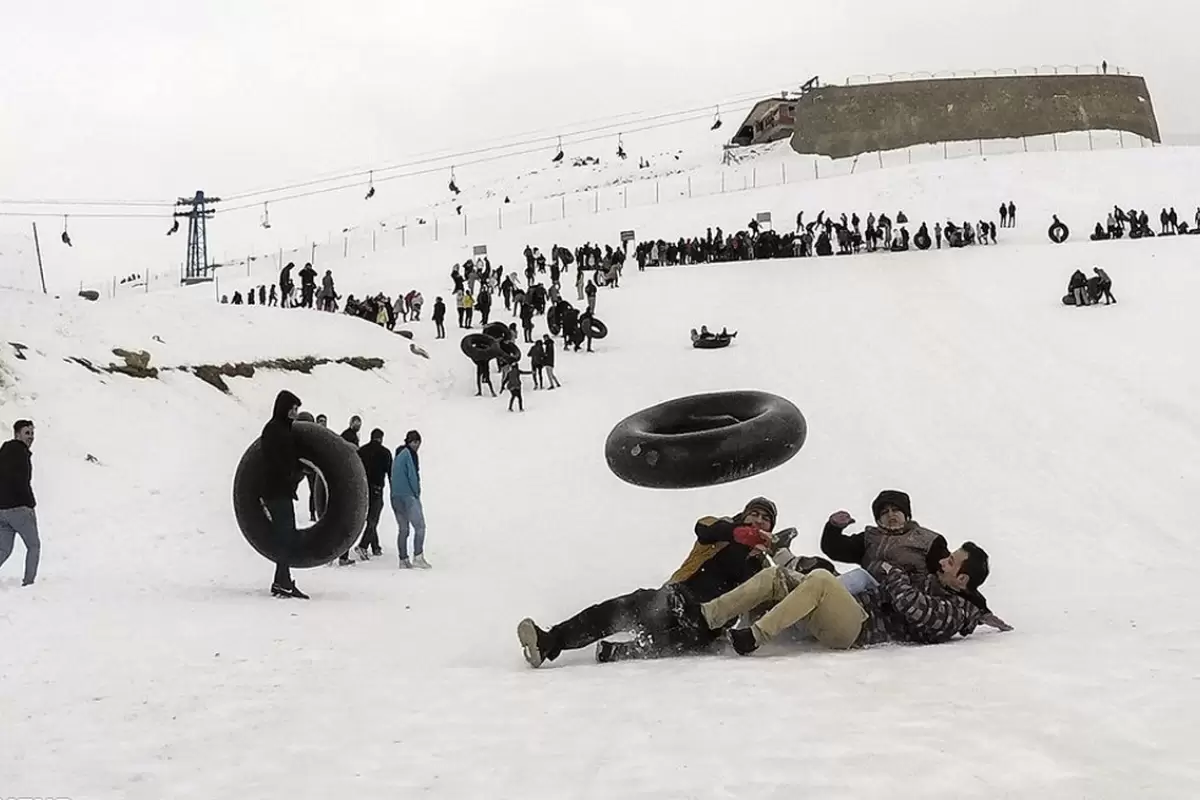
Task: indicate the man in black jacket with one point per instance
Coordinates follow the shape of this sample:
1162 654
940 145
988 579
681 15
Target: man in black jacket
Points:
377 461
17 515
726 554
351 433
282 472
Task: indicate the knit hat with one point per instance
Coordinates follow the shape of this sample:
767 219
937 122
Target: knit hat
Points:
765 507
892 497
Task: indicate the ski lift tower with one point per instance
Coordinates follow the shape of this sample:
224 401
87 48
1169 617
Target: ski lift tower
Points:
197 212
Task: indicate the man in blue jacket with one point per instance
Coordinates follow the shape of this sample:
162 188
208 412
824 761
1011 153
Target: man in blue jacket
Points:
406 502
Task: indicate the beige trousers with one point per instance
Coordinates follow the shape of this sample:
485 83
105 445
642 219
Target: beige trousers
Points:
831 614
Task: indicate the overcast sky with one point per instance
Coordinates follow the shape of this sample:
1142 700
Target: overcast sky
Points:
151 99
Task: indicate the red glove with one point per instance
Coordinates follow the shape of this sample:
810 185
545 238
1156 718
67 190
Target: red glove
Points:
750 536
841 519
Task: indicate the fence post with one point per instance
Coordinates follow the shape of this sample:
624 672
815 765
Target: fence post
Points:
345 245
783 172
1121 139
1091 144
689 186
816 170
754 177
372 240
625 196
500 218
945 151
1025 143
1055 137
881 159
909 151
564 205
404 236
464 224
722 181
981 147
435 229
596 198
656 192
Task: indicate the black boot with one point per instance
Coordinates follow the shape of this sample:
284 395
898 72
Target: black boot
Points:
536 643
743 641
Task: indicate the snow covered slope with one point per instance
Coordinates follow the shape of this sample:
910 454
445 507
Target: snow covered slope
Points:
148 661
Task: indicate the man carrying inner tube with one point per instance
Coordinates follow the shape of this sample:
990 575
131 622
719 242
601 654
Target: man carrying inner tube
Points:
727 552
282 473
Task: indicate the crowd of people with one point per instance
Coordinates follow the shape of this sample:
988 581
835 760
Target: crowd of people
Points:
284 471
1136 224
845 235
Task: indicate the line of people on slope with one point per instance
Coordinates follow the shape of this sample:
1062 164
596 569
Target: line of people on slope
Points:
283 471
908 586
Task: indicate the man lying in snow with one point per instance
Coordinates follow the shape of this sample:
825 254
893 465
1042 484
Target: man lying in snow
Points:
927 609
727 552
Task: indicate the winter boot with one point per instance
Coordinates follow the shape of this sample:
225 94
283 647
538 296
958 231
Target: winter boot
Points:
535 643
420 563
345 560
279 590
405 563
743 641
363 553
376 551
608 652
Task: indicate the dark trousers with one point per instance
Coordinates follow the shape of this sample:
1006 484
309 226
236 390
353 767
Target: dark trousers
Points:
462 316
370 537
483 315
441 329
516 395
283 526
645 612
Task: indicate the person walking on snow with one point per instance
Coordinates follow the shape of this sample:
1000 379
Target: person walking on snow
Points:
512 382
590 292
548 361
17 504
1105 285
406 502
282 473
439 317
377 461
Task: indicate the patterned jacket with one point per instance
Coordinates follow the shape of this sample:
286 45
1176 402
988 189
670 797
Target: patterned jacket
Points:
908 608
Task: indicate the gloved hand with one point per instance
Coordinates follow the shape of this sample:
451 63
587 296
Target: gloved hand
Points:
841 519
751 536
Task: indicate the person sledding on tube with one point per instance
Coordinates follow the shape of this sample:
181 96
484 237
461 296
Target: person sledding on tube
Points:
706 335
728 551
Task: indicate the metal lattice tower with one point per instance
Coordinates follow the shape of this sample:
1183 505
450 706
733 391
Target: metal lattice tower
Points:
198 269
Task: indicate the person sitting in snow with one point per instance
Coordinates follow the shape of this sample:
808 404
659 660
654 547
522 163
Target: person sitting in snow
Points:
928 609
896 538
728 551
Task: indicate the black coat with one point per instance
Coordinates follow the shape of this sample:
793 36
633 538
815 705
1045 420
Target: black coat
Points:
16 476
439 311
377 461
548 353
281 460
351 436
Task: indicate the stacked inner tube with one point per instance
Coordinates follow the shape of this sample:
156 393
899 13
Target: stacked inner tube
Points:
480 348
498 331
340 474
552 320
922 240
712 343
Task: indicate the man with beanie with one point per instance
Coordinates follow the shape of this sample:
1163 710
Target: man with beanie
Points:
282 473
406 502
727 552
377 461
17 504
896 538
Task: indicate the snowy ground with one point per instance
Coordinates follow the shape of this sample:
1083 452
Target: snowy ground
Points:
148 661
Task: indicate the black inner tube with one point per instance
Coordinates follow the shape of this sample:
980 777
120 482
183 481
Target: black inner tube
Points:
696 424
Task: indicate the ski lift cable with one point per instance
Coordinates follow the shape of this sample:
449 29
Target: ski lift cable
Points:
432 170
748 100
